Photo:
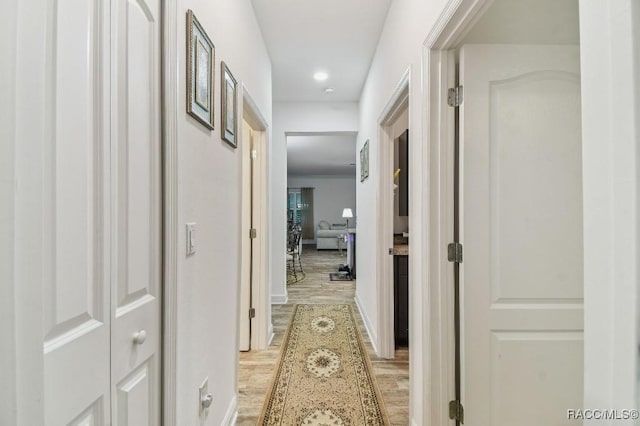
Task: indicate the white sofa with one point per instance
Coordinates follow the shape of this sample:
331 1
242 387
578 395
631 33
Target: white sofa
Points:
327 235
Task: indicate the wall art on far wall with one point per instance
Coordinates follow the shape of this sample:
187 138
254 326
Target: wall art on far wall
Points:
200 72
364 161
229 108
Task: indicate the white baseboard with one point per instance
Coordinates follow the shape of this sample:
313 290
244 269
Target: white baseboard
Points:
231 416
367 324
271 335
279 299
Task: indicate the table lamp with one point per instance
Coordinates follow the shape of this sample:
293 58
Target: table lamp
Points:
346 214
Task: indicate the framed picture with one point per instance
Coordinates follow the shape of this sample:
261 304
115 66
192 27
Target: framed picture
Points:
200 72
229 109
364 161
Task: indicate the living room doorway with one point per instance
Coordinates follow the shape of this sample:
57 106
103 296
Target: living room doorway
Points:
322 164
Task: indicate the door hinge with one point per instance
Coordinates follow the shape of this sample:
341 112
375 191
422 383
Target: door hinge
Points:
456 411
454 252
252 312
454 96
253 233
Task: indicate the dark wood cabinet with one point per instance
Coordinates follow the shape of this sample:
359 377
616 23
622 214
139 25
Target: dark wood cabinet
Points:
401 300
403 181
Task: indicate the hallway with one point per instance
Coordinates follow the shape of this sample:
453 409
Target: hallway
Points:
123 231
257 367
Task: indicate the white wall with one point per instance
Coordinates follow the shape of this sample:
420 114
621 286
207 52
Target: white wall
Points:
209 189
331 195
7 198
400 48
291 117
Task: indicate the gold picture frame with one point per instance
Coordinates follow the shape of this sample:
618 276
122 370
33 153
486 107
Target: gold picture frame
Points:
364 162
228 96
200 72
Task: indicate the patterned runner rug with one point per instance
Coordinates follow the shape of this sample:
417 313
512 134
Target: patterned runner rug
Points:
324 376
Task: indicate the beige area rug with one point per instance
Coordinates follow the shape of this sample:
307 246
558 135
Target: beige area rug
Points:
324 376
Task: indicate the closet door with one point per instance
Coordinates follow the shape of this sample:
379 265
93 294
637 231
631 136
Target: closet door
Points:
75 176
102 241
136 224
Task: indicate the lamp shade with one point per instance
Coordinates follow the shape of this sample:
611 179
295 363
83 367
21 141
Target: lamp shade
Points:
347 213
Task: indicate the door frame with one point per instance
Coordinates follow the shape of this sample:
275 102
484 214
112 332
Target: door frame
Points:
609 153
261 325
438 62
169 109
397 104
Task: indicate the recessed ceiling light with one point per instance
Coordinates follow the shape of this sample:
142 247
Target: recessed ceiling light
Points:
329 90
321 76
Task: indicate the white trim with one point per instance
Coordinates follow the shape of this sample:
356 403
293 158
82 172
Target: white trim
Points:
279 299
253 114
438 218
610 79
397 104
261 300
398 101
271 334
231 416
367 324
455 20
170 106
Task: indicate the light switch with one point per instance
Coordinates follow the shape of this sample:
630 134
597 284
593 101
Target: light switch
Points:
191 238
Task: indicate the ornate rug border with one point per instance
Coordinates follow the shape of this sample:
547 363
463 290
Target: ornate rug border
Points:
363 350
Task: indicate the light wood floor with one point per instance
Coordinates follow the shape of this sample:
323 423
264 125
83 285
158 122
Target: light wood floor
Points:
257 367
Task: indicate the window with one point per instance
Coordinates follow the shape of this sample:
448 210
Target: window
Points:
294 208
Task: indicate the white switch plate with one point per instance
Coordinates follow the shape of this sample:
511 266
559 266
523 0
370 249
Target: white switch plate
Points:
191 238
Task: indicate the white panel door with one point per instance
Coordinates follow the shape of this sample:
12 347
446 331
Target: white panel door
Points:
75 166
521 227
136 227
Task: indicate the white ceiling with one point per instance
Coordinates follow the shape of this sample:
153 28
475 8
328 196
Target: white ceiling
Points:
305 36
321 155
527 22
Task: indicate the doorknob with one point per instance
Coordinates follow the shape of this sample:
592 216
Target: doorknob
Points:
139 337
206 400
